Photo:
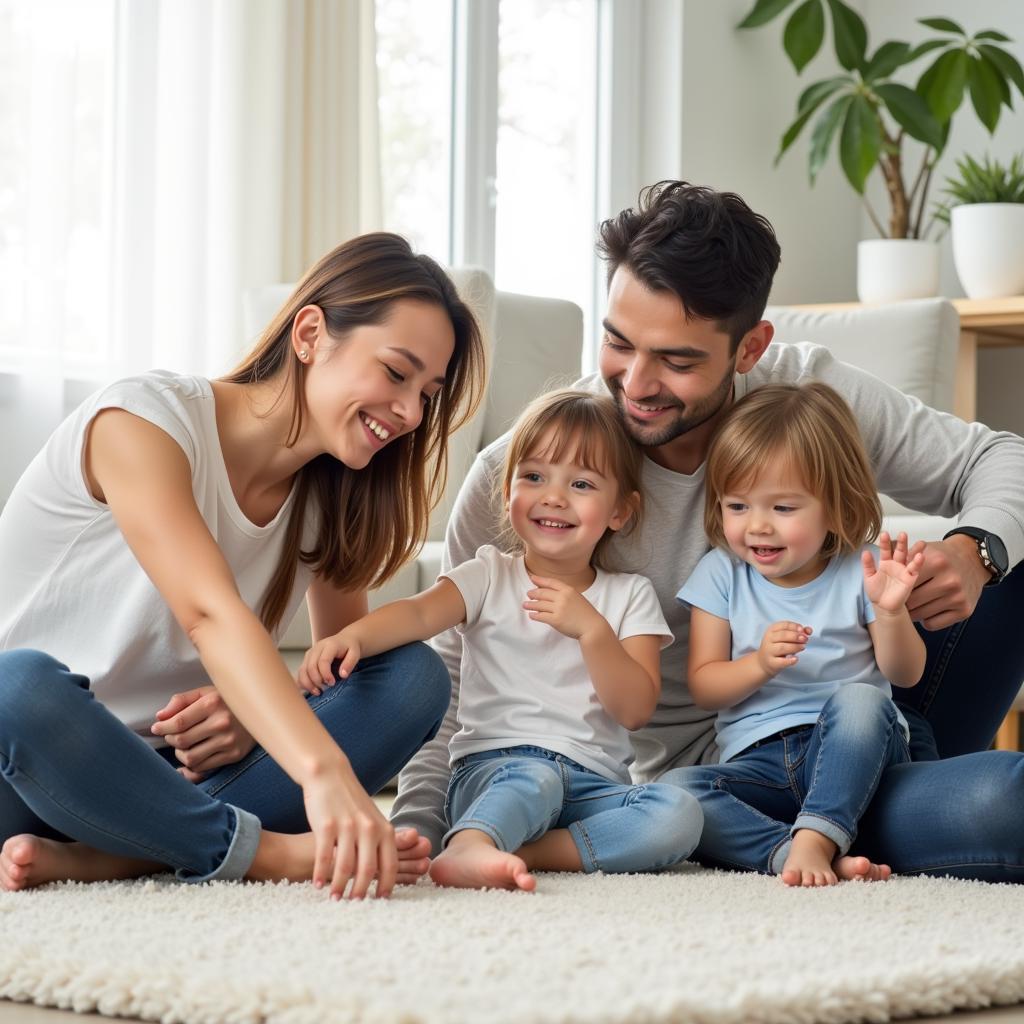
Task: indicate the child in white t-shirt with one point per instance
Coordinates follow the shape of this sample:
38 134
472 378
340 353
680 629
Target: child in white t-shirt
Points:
560 660
795 637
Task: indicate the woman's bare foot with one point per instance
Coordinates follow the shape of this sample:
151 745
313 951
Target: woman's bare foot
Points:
27 861
474 862
810 860
860 869
413 856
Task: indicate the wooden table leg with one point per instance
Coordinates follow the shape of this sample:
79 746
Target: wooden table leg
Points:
965 383
1008 737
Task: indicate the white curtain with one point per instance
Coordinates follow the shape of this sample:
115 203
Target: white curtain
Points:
233 142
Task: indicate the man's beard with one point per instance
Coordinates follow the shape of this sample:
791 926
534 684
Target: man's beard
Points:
687 417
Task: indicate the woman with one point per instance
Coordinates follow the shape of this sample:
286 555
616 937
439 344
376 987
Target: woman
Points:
161 540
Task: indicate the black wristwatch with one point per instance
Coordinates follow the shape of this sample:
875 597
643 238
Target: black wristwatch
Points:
991 551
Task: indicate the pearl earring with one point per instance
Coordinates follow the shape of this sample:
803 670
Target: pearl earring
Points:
304 355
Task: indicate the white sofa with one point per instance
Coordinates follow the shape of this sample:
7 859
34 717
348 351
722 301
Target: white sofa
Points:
535 344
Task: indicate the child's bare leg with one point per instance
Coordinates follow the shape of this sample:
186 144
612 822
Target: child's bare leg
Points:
812 861
27 861
472 861
554 851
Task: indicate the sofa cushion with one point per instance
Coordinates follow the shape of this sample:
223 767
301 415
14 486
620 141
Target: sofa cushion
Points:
910 345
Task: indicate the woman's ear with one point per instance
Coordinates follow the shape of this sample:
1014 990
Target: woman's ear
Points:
624 512
307 330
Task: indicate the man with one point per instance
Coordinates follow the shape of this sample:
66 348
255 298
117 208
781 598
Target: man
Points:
689 274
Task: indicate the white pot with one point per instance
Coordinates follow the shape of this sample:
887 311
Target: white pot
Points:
891 269
988 248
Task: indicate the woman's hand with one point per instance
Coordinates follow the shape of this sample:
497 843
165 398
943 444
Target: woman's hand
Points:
562 607
315 671
354 841
203 731
889 585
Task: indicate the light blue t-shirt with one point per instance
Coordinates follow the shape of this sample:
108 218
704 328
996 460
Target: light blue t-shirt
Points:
839 650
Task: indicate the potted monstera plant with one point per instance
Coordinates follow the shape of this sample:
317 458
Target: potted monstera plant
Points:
985 210
866 115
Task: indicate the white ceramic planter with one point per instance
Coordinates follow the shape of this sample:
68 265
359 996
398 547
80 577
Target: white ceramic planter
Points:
988 248
891 269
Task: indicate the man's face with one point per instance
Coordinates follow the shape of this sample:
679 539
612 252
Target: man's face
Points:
668 375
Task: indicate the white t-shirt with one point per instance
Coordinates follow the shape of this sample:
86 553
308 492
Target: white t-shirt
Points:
523 682
70 585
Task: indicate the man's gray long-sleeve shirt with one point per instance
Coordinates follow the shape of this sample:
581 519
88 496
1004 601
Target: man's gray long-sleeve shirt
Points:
926 460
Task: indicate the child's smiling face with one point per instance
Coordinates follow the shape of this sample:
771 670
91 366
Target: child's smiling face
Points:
774 524
561 509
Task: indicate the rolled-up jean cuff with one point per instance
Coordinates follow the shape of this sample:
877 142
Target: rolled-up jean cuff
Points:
241 852
829 829
584 847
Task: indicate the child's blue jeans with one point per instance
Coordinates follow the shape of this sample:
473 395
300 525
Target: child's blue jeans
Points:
820 777
515 795
70 769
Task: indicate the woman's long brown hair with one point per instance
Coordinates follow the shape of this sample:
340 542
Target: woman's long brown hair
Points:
369 521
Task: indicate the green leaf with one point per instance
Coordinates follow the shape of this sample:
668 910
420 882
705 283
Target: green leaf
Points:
942 25
814 95
851 37
804 33
942 85
763 11
1006 63
1004 86
922 48
812 98
993 34
886 60
911 112
824 130
986 95
859 142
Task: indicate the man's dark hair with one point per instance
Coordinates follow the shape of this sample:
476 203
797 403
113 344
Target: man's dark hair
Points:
707 247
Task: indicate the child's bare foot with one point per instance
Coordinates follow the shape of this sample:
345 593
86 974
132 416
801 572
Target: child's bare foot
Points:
810 860
413 856
860 869
477 864
27 861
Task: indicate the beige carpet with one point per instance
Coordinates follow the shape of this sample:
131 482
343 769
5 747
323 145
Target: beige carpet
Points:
686 946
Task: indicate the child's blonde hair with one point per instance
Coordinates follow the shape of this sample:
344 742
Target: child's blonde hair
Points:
812 429
586 428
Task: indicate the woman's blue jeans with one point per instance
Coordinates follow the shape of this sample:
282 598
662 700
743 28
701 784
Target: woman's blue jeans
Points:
517 794
69 769
819 776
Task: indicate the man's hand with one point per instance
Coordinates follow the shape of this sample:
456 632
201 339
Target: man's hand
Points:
781 646
949 582
562 607
890 584
203 731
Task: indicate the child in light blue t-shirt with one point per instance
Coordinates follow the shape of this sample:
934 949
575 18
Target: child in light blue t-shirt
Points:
796 633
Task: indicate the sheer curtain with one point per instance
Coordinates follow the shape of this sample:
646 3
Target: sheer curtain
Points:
162 156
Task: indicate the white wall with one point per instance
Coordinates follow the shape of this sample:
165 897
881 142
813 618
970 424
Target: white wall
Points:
1000 372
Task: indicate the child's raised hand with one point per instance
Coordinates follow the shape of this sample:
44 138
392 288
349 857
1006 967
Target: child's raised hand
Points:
781 646
562 607
315 671
889 584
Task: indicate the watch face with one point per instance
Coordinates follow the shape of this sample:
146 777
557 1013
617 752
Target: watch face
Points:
997 553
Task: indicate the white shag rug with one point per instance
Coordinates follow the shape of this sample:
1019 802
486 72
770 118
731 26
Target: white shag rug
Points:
685 946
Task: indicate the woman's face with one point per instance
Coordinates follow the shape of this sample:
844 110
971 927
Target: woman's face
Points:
367 389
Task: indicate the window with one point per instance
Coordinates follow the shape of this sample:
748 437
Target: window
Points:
488 115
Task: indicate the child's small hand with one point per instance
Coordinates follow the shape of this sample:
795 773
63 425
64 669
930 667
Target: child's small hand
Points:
315 670
781 646
889 585
562 607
